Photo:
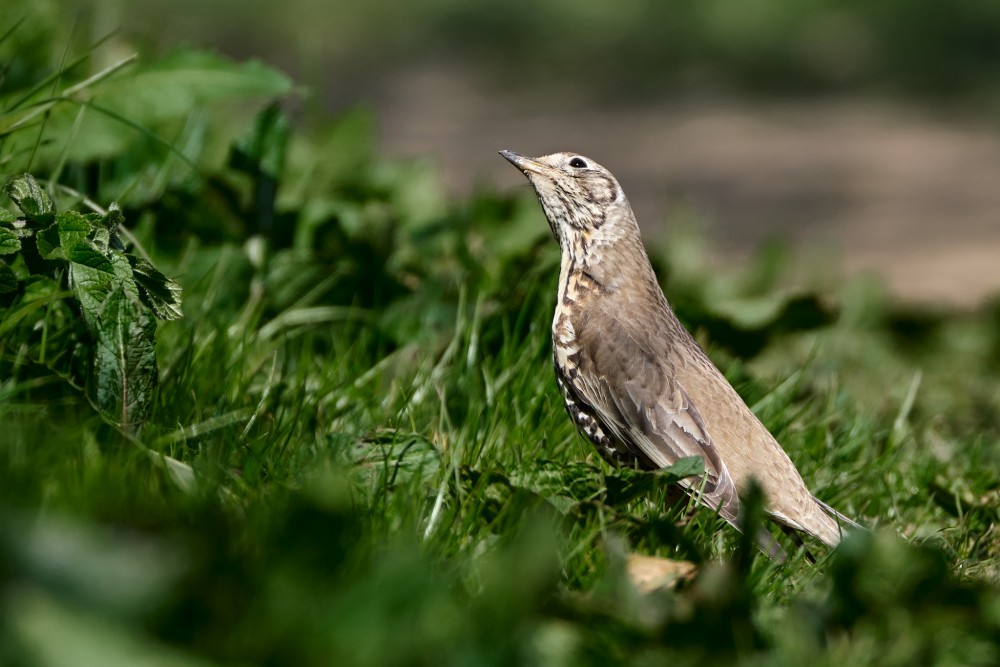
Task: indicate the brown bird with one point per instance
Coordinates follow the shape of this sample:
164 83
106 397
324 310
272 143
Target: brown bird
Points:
633 379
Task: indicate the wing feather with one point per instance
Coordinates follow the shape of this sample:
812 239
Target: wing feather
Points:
650 412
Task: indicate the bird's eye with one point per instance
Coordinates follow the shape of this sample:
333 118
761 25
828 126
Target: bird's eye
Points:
578 163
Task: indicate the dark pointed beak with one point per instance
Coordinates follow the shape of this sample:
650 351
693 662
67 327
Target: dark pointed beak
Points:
525 164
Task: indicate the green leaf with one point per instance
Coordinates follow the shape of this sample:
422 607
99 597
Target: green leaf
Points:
123 272
101 239
261 154
86 254
401 454
92 278
73 227
627 484
565 484
156 105
114 218
174 84
9 241
69 229
29 196
159 293
263 151
125 361
8 279
577 480
689 466
6 216
47 241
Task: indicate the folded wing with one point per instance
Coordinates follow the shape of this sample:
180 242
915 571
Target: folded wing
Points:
636 397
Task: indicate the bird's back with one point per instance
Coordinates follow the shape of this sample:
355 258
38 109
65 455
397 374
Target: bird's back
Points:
633 305
748 448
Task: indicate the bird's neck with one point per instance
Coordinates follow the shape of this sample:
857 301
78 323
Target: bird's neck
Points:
606 263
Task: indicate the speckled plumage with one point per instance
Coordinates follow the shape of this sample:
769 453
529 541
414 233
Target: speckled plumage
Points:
633 379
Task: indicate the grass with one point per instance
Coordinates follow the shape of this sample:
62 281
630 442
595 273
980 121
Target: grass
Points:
357 453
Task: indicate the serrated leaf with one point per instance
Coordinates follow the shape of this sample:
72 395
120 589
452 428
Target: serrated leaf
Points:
405 455
86 254
55 241
8 279
563 504
72 227
579 481
123 272
161 294
125 361
47 242
29 196
6 216
101 239
689 466
92 277
114 218
9 241
627 484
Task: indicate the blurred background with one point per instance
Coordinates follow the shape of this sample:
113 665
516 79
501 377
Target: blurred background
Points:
866 129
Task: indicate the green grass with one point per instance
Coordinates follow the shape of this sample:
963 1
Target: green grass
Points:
357 453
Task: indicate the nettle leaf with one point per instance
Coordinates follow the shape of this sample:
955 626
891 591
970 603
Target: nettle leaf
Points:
47 241
55 241
29 196
14 225
92 277
566 486
627 484
9 241
113 218
124 329
101 239
402 455
8 279
125 362
118 295
87 254
689 466
73 227
123 272
161 294
578 481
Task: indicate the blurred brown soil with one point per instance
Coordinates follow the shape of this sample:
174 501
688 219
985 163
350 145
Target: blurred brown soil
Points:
909 193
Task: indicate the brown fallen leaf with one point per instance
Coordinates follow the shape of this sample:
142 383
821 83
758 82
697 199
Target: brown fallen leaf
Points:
649 573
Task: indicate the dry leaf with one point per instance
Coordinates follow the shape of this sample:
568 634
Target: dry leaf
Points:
648 573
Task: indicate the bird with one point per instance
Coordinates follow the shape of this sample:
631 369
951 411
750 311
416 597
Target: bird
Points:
633 379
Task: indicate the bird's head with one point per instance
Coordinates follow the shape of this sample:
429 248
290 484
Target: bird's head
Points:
581 199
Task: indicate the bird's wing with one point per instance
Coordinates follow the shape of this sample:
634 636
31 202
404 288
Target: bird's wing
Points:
649 411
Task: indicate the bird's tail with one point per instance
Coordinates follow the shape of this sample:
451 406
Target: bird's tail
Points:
842 521
723 499
770 546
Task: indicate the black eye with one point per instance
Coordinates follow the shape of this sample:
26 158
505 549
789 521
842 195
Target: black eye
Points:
578 163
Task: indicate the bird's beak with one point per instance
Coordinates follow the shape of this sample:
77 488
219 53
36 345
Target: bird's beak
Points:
525 164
